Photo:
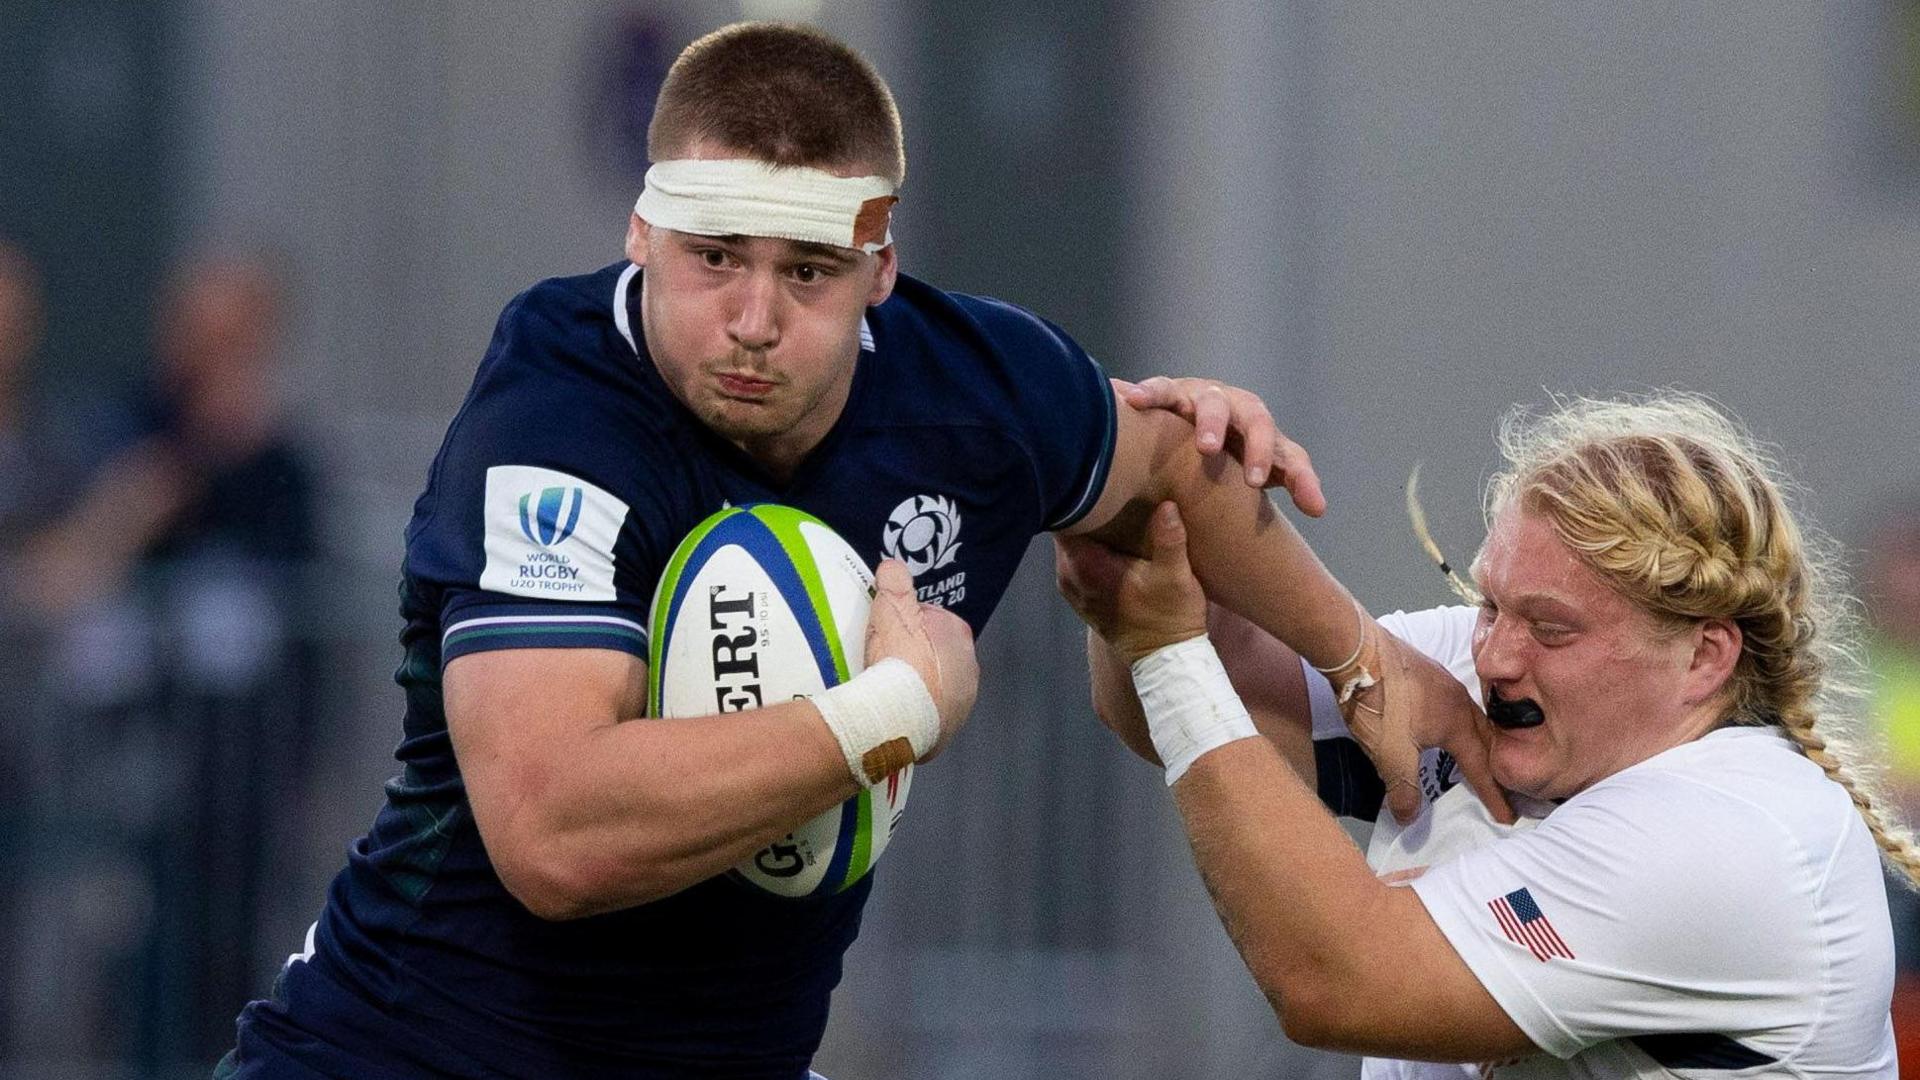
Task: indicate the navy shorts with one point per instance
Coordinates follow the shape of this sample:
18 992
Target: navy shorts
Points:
314 1028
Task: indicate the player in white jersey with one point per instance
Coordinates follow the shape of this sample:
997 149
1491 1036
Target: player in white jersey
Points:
1744 790
1660 649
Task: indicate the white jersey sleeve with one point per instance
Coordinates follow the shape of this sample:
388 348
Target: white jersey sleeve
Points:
1347 781
1648 904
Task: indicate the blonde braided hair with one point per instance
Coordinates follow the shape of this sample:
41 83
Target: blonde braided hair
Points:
1682 512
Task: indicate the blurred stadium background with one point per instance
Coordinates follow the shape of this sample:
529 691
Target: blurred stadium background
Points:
1391 220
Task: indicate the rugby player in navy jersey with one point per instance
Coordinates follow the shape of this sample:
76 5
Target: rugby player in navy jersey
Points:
543 894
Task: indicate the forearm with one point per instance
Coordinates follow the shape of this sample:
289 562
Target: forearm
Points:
1265 673
1288 883
582 812
1347 962
1252 561
1283 874
1259 567
1245 553
1114 699
643 809
584 809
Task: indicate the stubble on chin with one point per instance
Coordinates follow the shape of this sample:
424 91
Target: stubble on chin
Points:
742 421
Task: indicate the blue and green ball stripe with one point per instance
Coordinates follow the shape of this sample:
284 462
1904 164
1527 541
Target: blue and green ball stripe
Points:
772 535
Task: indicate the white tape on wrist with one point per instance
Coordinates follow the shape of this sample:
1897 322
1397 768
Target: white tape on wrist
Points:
883 718
1191 707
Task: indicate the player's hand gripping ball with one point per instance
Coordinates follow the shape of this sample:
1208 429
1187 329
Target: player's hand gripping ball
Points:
763 604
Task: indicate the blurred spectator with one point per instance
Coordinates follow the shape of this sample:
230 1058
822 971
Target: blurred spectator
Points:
20 327
172 580
1893 597
1893 652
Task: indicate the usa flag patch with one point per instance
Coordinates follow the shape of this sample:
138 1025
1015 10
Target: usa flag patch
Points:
1523 922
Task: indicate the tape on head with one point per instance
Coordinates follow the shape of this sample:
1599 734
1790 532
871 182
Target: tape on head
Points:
745 197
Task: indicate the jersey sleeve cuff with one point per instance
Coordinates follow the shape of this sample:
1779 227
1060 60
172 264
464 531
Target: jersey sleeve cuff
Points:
1494 960
1103 460
475 628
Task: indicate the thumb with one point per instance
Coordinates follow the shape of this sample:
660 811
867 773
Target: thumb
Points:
1399 761
1475 758
893 605
1404 798
1167 534
892 580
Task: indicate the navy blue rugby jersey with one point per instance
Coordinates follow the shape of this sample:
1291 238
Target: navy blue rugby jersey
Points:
565 482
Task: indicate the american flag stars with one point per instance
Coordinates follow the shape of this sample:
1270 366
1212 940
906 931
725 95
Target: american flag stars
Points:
1523 922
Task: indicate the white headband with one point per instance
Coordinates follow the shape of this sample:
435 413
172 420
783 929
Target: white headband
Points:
743 197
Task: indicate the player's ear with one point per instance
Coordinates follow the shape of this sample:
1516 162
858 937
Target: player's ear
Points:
1716 649
637 233
883 280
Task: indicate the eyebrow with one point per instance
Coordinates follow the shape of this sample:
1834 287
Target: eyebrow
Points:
1531 600
808 248
1535 605
837 256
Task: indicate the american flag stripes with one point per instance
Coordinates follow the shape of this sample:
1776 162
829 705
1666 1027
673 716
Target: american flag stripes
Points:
1522 921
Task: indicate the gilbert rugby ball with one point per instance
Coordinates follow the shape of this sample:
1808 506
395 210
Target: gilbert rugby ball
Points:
763 604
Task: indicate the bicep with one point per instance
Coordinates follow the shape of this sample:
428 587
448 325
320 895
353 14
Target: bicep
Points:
512 714
1423 1001
1144 446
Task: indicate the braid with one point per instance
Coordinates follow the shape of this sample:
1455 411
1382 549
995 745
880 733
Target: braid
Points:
1683 513
1895 842
1461 587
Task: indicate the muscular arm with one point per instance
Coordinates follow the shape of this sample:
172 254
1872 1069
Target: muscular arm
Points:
1348 963
1266 674
585 810
1246 555
1251 560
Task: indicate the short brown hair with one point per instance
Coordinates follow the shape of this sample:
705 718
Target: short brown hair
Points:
784 94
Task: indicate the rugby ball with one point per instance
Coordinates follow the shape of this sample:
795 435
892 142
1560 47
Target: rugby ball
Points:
762 604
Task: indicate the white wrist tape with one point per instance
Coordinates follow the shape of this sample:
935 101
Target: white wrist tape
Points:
745 197
883 718
1191 707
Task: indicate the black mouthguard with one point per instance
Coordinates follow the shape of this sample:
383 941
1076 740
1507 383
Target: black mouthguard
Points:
1520 713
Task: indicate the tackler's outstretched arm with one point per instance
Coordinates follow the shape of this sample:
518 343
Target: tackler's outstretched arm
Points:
1251 560
1290 886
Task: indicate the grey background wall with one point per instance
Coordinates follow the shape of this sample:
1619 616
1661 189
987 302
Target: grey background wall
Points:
1391 220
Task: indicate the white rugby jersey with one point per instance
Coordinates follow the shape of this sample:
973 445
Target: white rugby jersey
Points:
1716 910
